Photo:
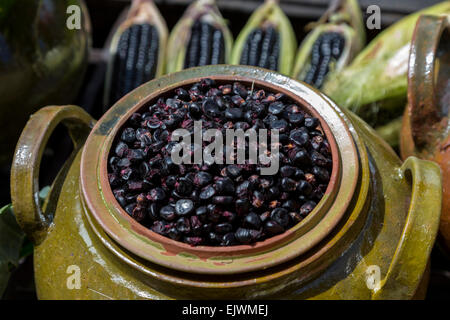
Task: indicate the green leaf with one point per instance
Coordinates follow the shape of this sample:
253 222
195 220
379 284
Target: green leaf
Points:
11 240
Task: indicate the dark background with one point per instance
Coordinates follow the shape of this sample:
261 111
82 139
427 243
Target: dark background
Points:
103 15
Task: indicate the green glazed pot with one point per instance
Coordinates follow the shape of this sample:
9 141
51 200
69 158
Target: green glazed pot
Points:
370 236
42 61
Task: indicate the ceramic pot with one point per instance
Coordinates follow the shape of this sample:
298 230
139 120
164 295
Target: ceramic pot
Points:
42 61
426 126
370 236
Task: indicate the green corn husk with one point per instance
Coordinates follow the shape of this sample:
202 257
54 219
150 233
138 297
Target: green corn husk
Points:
391 132
374 86
200 10
141 12
343 17
270 14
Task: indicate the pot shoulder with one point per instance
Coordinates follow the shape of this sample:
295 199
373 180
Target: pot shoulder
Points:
71 263
73 251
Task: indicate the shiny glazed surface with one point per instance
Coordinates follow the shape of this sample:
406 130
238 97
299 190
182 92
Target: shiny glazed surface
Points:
426 126
384 226
43 62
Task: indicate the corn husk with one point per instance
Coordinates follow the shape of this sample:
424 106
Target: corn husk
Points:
375 84
270 13
205 10
390 132
344 17
140 12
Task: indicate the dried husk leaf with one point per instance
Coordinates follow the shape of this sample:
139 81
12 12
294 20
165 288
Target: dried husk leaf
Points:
342 17
141 11
270 13
206 10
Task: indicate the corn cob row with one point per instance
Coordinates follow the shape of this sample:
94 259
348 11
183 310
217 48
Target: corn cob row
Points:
201 37
262 49
327 48
335 40
137 50
206 46
267 40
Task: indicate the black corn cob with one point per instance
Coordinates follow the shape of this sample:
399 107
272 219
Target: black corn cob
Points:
137 50
193 47
261 48
271 36
274 55
327 48
218 48
136 59
201 37
255 46
205 43
206 46
267 40
332 43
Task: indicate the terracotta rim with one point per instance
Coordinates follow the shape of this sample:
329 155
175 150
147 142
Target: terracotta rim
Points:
206 259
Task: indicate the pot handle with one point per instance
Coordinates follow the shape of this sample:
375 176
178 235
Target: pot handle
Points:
419 232
27 160
422 97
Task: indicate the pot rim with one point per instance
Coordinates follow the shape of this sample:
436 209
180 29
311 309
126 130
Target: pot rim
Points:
208 259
